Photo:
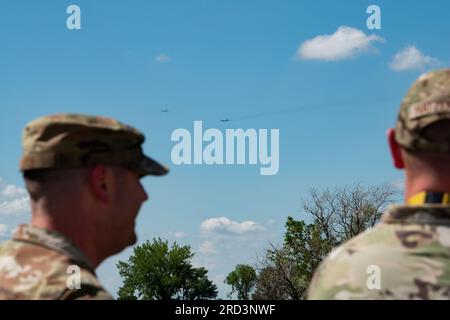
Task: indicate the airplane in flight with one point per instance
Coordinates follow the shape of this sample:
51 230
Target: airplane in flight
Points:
225 120
165 110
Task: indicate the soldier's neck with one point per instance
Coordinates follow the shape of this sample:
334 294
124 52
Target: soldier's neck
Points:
79 236
425 182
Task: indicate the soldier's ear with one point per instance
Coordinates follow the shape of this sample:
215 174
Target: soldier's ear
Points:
396 150
98 180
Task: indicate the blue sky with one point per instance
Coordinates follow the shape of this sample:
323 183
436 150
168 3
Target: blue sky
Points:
291 65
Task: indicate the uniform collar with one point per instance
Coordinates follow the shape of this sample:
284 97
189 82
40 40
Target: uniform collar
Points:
54 241
434 214
429 197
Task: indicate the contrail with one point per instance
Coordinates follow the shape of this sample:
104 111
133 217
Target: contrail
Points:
311 107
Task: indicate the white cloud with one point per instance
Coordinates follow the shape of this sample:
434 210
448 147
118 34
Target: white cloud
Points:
226 243
411 58
220 278
14 206
176 234
11 191
179 234
227 226
227 237
162 58
13 199
219 281
346 42
3 228
207 247
207 261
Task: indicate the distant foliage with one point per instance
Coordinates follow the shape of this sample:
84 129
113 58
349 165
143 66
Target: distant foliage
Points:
285 272
242 281
157 272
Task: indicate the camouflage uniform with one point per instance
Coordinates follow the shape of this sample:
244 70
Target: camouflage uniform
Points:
407 255
36 263
410 250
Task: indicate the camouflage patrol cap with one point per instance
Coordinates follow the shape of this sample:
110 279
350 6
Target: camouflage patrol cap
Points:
63 141
427 102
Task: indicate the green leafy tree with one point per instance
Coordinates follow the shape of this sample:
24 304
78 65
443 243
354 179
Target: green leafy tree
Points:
242 281
157 272
336 217
270 285
287 271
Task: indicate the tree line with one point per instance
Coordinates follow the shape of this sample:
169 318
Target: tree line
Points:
158 271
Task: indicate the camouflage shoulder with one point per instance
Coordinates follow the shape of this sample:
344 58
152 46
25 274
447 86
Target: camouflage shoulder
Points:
334 273
29 272
89 289
390 261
